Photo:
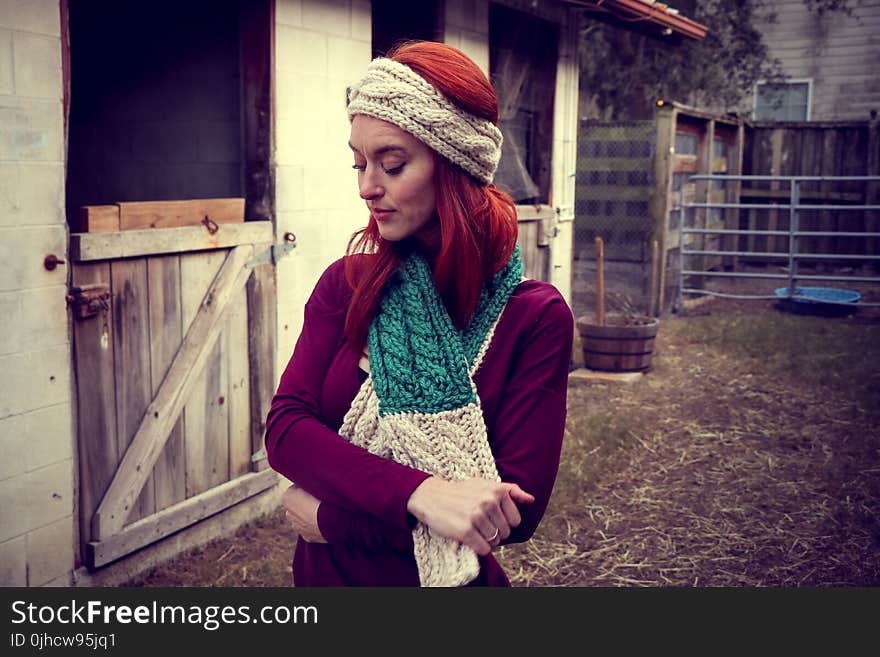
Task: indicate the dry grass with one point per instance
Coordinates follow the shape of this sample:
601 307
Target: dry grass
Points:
749 456
723 466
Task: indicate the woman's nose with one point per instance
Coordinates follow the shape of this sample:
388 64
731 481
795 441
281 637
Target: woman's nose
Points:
369 187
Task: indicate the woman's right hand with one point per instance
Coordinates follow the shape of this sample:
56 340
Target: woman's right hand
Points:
301 511
469 511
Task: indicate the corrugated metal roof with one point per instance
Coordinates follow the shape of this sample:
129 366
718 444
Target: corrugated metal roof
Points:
650 11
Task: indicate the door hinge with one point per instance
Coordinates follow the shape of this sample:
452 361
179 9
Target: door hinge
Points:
274 253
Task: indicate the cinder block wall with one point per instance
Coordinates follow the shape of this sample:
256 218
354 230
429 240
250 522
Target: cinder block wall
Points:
321 47
36 426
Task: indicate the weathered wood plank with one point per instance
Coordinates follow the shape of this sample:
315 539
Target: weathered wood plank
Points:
165 408
261 355
853 163
811 158
172 214
826 221
776 163
180 516
166 334
132 243
848 163
735 155
710 242
216 422
96 401
132 362
236 351
760 146
205 418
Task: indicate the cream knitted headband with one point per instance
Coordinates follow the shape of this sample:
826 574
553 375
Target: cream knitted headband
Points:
393 92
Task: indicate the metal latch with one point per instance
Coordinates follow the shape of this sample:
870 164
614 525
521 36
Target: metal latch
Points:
89 300
274 253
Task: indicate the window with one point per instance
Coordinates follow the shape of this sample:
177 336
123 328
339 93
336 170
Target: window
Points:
784 101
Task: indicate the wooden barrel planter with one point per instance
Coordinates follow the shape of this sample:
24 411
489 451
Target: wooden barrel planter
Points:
621 344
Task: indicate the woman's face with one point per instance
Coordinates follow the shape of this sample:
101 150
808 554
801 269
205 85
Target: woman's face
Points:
395 178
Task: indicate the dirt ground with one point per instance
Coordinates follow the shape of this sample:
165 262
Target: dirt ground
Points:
714 469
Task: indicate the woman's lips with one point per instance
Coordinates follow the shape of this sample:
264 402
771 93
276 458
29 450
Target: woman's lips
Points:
380 214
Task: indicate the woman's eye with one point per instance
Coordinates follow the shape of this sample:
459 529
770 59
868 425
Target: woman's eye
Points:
359 167
394 170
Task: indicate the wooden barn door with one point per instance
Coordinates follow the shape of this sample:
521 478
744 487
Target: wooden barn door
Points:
173 341
535 224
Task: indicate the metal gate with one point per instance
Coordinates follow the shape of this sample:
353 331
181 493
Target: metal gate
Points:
799 229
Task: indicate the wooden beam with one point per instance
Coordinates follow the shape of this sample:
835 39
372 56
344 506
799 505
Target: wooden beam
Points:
534 212
661 197
85 247
261 354
177 517
97 219
173 214
164 409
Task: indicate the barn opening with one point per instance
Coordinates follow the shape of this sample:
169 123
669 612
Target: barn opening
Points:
168 100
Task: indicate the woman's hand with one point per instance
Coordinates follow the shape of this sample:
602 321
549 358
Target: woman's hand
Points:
301 510
476 512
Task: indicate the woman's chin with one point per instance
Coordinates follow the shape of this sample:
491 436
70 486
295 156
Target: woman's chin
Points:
391 233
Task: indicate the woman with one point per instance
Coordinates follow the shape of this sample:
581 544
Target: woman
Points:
422 412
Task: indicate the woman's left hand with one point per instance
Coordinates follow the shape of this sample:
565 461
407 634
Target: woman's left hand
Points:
301 510
475 512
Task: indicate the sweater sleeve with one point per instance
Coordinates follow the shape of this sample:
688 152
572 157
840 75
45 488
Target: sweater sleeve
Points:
303 449
340 526
530 421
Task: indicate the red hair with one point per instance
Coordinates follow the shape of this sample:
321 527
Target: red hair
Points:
478 226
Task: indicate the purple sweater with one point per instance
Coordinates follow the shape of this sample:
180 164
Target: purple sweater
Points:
522 388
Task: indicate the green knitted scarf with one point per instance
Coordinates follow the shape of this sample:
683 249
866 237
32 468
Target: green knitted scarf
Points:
419 406
419 361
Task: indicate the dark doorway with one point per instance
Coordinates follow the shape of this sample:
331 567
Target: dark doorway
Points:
396 21
164 104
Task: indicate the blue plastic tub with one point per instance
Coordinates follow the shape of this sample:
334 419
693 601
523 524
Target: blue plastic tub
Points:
823 300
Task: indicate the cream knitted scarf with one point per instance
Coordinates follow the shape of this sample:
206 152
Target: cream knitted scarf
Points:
419 405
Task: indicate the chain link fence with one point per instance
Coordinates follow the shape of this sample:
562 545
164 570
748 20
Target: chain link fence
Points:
615 183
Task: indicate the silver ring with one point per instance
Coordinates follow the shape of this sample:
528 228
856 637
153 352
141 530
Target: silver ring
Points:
493 536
